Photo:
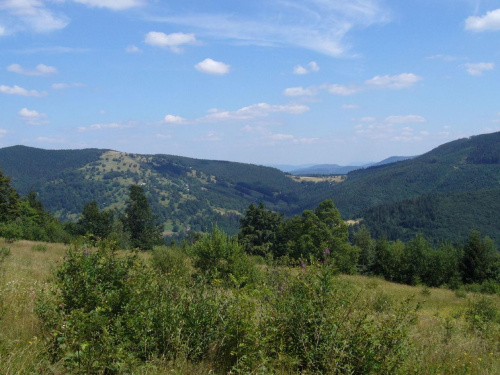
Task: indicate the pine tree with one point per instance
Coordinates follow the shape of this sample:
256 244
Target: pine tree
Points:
140 222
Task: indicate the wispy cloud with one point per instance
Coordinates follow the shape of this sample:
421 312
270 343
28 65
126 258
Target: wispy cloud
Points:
395 82
311 67
132 49
98 127
477 69
489 22
316 25
210 66
300 91
392 128
63 86
31 15
112 4
17 90
253 111
40 70
268 138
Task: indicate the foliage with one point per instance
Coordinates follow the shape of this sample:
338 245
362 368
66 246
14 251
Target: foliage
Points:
219 257
480 259
259 229
94 223
139 221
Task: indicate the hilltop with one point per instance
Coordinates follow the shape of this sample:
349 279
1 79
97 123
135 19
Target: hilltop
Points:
443 193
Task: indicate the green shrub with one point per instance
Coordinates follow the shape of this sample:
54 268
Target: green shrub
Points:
220 257
319 325
42 248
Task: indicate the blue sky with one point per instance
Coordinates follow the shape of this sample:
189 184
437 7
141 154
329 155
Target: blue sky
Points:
265 82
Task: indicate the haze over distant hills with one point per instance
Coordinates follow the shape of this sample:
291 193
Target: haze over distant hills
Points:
326 169
443 193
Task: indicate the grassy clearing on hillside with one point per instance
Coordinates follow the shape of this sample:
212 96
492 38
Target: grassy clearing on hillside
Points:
316 179
446 340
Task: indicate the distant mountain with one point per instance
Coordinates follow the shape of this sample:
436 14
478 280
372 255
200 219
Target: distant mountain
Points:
288 168
323 169
392 159
328 169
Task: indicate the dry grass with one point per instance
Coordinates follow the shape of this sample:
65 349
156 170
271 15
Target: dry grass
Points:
443 342
336 179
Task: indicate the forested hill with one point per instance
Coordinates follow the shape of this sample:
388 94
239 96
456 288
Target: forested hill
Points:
183 192
465 165
442 193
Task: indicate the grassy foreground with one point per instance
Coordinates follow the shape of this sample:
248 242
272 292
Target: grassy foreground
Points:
452 335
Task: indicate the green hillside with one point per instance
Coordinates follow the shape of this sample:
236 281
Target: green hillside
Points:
443 193
465 165
183 192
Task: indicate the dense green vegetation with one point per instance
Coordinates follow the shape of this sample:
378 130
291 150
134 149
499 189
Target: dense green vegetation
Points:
442 194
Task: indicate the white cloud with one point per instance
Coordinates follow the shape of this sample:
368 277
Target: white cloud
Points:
97 127
62 86
299 91
32 117
257 110
3 31
489 22
40 70
269 138
2 132
408 119
350 106
477 69
317 25
172 41
16 90
171 119
395 82
112 4
132 49
341 90
313 67
211 136
32 15
210 66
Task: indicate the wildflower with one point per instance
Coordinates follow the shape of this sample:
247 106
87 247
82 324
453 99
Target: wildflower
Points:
326 252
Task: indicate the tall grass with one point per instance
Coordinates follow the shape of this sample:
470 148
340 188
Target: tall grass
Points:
452 335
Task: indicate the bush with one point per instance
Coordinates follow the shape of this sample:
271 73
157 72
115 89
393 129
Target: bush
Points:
220 257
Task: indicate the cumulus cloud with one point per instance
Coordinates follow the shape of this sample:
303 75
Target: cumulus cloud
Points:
477 69
171 119
112 4
97 127
40 70
269 138
396 82
32 15
311 67
210 66
32 117
17 90
172 41
489 22
299 91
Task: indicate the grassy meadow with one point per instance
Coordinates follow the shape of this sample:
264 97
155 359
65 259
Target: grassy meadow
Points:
451 334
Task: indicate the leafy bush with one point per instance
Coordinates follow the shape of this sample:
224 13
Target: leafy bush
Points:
220 257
